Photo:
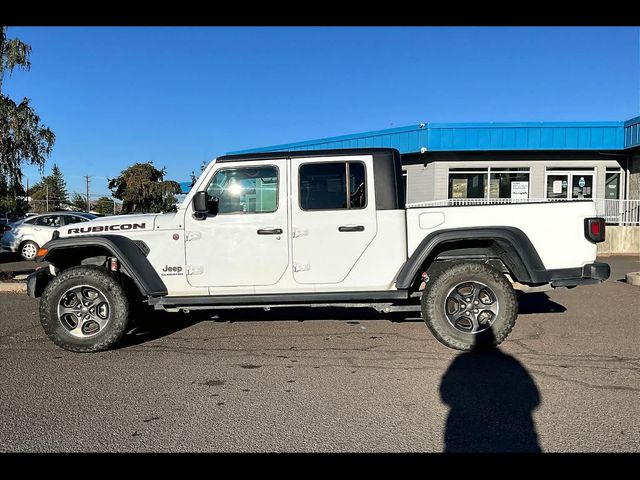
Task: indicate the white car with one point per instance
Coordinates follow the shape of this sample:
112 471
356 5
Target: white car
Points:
26 236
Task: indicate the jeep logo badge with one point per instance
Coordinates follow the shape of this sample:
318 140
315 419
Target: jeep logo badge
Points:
171 270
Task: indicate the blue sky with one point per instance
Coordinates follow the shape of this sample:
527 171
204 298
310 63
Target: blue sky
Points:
179 96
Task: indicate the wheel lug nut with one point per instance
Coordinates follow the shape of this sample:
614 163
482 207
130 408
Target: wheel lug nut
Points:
476 302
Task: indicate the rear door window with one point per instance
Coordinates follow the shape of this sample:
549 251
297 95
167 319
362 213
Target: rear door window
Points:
48 221
324 186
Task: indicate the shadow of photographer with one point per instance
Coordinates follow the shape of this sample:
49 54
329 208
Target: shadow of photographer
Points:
491 398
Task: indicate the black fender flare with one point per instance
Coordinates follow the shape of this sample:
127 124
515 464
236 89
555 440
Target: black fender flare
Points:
520 255
130 256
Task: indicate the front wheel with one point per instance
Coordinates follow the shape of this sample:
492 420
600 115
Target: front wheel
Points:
470 306
29 250
84 309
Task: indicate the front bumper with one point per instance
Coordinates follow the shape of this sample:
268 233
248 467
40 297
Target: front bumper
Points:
589 274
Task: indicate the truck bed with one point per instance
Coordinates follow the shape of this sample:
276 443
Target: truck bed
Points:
555 228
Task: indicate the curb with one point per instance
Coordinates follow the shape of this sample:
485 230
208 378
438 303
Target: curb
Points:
633 278
8 287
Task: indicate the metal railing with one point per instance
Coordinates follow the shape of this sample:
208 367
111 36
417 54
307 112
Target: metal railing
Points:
458 202
618 212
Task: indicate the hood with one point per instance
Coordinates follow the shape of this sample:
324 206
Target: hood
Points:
116 224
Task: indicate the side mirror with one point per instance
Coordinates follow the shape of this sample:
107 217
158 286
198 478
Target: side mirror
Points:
203 204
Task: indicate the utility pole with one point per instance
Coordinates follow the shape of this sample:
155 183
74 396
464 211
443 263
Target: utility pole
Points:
87 177
47 196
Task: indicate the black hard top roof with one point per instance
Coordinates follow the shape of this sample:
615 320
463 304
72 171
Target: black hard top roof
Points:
306 153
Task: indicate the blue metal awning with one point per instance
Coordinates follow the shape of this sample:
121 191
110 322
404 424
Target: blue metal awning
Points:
443 137
632 133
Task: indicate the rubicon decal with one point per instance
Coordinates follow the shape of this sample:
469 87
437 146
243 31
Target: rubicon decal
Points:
108 228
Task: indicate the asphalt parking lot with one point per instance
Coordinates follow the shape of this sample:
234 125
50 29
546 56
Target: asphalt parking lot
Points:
566 380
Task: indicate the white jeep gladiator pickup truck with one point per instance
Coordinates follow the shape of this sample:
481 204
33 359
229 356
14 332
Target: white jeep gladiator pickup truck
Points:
308 229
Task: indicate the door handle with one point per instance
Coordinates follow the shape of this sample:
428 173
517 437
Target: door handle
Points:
270 231
351 228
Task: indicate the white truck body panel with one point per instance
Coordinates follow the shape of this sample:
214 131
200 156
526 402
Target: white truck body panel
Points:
556 229
321 253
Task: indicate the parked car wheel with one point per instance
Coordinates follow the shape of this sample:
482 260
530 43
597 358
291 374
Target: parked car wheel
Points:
470 306
85 309
29 250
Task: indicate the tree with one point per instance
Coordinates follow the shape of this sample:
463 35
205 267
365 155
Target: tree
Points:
12 197
142 188
22 137
194 178
104 206
79 202
57 185
51 193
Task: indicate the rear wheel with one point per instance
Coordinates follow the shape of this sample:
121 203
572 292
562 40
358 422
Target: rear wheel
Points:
84 309
29 250
470 306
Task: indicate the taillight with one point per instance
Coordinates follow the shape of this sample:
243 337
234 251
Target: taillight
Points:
594 229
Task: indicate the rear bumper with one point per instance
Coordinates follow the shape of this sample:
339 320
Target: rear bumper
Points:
9 244
591 273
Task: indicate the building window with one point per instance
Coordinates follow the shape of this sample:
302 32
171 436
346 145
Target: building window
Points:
612 188
490 183
570 184
245 190
323 186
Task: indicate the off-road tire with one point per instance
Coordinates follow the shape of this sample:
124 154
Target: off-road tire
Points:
93 276
433 306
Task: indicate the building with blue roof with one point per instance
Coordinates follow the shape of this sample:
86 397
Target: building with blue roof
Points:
534 160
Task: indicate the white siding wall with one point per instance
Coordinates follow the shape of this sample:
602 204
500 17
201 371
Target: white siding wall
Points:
432 182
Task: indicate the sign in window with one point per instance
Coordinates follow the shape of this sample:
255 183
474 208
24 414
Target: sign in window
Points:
489 183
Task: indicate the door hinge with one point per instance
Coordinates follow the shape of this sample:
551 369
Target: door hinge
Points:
194 269
193 236
301 267
300 232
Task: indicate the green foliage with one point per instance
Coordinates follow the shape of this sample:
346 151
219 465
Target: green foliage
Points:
13 53
51 192
22 137
57 185
79 202
12 196
104 206
142 188
194 177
